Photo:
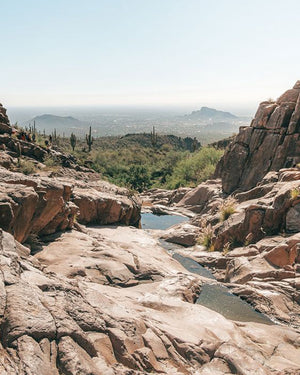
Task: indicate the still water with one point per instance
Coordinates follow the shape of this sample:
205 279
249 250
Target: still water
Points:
151 221
215 297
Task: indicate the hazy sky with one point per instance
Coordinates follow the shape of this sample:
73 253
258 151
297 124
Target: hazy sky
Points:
226 53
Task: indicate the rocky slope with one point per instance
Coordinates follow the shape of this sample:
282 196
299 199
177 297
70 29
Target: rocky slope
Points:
252 234
271 142
95 303
93 300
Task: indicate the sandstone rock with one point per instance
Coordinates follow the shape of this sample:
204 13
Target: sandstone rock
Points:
54 324
74 360
4 121
240 363
42 206
182 234
293 219
39 210
155 344
256 218
6 161
198 198
33 359
162 196
103 346
25 314
282 255
273 143
103 208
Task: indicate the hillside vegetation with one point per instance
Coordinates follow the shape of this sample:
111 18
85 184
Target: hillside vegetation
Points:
134 162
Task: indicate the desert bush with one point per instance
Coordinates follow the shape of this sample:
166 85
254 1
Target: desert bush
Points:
26 166
51 161
295 193
206 237
226 248
227 208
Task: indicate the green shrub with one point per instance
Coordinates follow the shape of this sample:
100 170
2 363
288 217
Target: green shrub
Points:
138 178
194 168
26 166
51 161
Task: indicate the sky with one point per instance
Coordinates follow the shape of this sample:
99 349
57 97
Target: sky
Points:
229 54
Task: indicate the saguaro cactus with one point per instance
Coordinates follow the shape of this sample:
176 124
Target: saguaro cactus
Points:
195 145
89 139
154 137
73 141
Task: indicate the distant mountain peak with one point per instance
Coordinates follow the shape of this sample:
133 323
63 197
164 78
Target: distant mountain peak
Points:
48 116
207 113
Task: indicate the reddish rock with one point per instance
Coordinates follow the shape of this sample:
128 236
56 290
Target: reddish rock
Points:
282 255
293 219
105 208
271 143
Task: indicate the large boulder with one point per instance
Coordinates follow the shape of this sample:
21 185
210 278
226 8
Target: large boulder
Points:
259 216
43 208
35 205
99 207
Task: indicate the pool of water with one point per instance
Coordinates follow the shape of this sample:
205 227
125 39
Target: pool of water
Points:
192 266
219 299
151 221
215 297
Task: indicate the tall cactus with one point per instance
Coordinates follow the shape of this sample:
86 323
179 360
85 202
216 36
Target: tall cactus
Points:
89 139
18 149
195 144
154 137
73 141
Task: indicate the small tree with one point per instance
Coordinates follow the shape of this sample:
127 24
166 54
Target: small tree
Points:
89 139
73 141
138 178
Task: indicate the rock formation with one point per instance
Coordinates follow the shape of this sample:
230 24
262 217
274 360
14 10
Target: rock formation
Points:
42 205
96 303
4 121
270 143
83 299
253 234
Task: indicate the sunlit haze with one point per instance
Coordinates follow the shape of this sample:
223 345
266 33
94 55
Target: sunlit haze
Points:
229 54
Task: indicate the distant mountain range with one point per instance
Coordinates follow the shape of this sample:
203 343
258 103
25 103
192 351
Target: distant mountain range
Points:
207 124
206 114
51 122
